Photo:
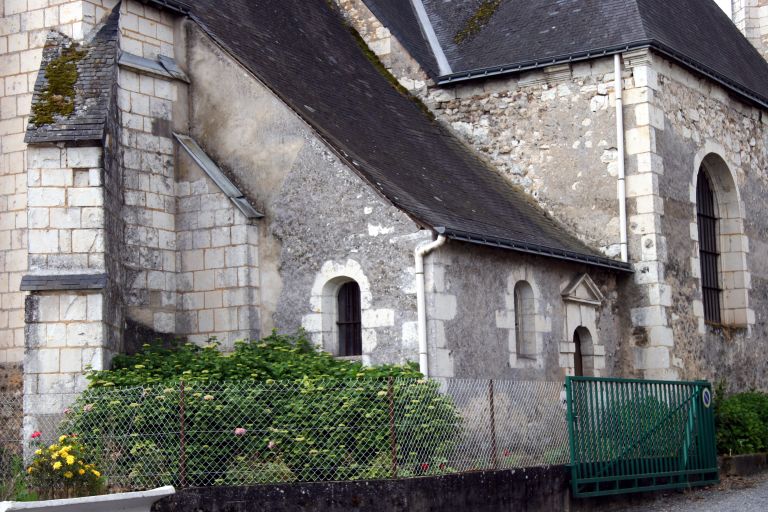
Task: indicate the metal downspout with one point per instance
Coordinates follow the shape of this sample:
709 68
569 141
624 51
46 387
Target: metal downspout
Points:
421 300
622 183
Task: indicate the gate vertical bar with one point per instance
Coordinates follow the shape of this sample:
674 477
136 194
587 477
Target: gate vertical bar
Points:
571 435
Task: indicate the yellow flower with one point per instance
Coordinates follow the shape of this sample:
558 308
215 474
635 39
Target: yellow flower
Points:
38 452
53 447
70 460
30 469
54 456
81 471
62 438
96 473
56 465
68 474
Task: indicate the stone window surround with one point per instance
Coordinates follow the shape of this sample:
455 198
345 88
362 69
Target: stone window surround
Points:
320 324
505 319
735 279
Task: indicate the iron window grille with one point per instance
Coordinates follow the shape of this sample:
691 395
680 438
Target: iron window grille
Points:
707 220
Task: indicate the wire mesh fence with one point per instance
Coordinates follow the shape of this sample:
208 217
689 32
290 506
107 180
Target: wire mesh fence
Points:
192 434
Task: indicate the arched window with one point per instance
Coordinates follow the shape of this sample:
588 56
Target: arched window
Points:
525 320
349 321
707 220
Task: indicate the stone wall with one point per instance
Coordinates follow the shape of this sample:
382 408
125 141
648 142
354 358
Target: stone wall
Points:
67 330
553 133
471 316
147 103
541 489
386 47
701 120
24 25
322 224
751 16
65 210
218 280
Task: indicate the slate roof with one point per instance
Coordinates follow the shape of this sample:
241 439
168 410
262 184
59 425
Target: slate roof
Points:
535 33
302 51
96 73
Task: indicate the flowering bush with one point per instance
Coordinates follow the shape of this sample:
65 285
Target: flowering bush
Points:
274 410
63 470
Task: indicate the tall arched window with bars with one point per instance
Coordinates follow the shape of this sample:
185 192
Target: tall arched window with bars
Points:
707 219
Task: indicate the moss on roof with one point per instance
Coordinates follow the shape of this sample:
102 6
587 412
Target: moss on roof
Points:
58 96
477 21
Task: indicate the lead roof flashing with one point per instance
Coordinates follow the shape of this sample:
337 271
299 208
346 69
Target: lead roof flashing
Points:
214 172
63 282
163 66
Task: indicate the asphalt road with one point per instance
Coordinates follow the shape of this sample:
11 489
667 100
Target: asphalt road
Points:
732 495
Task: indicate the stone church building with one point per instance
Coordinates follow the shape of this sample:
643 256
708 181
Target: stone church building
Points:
515 190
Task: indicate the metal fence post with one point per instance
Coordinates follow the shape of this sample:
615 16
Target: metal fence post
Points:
392 435
493 425
182 440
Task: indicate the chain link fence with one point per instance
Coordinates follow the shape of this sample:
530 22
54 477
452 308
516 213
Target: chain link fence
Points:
192 434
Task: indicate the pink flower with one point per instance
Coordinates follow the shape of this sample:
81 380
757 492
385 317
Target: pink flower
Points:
271 445
36 434
239 431
506 453
88 407
425 467
67 410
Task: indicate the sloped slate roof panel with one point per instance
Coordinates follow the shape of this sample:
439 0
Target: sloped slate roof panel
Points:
305 54
400 18
521 34
530 30
96 74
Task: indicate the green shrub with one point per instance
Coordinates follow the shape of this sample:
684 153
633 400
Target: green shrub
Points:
13 481
274 410
742 423
276 357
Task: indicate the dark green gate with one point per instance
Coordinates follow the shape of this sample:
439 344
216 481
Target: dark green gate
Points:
630 435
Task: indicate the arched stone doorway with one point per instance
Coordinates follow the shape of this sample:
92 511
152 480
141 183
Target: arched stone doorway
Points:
583 358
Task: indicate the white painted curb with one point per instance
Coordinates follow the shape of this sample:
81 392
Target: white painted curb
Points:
140 501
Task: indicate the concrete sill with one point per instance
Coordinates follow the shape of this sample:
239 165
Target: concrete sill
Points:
349 358
743 465
125 502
